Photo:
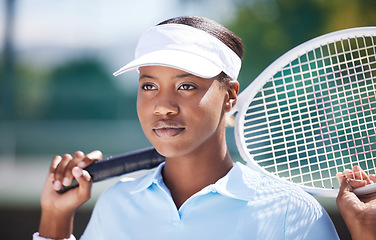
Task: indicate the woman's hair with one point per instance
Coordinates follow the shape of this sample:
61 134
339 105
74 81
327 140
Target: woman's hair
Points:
215 29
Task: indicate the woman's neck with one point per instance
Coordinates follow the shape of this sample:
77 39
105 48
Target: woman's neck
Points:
187 175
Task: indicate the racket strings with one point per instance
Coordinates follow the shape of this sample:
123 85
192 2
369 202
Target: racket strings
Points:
317 115
347 68
360 110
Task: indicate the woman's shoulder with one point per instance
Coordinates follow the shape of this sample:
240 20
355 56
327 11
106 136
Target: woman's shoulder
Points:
267 187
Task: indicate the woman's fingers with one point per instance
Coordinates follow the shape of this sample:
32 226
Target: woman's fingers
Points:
372 177
55 162
62 167
90 158
357 183
360 174
77 158
340 176
84 180
356 177
60 171
348 173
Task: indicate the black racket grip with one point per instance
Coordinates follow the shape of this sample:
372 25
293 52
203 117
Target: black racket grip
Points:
113 166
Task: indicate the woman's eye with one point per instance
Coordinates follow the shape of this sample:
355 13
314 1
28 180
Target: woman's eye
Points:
187 87
148 87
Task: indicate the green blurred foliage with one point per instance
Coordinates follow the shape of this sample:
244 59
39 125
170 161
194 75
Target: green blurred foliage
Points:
270 28
31 93
78 89
83 89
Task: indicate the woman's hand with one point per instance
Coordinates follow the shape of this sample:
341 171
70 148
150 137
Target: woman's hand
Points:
358 212
58 209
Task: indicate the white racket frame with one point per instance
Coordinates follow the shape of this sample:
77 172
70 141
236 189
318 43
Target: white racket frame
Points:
246 96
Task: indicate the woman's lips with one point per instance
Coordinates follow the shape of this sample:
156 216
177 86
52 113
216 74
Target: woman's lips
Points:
166 128
168 132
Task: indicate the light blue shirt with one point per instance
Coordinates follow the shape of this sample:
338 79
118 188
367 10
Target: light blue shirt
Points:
242 205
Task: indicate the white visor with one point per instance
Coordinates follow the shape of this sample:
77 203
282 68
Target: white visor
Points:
186 48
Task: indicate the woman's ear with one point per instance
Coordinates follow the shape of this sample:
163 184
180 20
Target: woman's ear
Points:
232 95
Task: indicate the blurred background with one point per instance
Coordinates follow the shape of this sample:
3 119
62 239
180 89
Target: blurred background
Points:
58 95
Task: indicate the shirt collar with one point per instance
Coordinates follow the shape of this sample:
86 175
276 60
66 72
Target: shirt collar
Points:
149 179
240 182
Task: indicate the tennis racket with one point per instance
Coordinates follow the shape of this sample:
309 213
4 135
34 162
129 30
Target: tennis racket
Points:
312 113
307 116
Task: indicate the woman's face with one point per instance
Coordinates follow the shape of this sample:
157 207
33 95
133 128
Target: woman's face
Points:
181 113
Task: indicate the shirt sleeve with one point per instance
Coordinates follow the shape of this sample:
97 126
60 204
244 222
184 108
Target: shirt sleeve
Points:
37 237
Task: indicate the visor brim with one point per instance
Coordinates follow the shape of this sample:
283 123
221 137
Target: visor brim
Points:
184 61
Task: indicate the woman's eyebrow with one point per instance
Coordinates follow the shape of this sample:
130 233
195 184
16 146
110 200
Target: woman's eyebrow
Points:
142 76
146 76
183 75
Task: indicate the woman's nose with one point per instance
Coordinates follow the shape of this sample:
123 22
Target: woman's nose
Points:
166 106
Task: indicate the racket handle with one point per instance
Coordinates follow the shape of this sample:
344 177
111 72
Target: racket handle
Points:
118 165
367 189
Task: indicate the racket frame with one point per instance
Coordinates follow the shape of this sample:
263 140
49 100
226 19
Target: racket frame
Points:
247 95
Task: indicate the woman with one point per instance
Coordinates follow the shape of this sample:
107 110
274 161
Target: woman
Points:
188 69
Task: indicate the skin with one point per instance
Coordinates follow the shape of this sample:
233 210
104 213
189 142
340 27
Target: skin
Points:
183 116
358 212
